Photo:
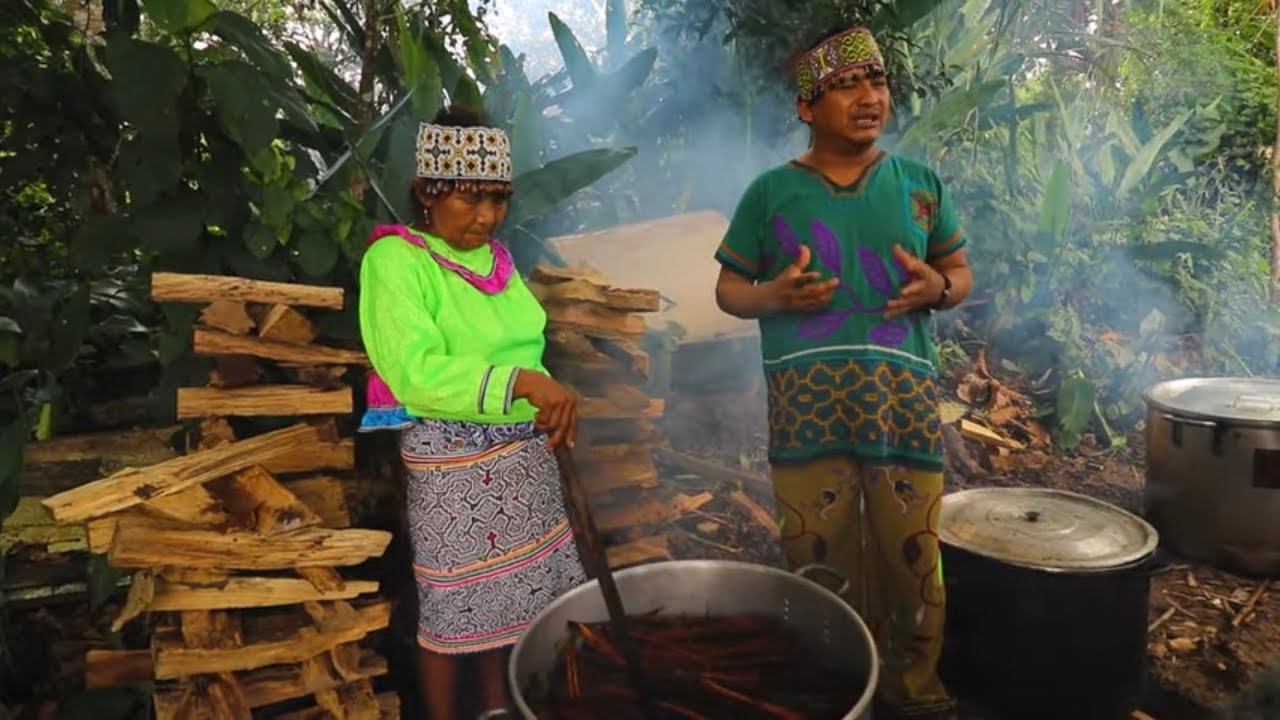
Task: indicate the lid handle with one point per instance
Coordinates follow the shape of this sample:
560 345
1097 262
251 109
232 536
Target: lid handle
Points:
1258 404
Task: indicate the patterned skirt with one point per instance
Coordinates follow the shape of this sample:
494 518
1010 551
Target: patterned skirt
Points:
491 542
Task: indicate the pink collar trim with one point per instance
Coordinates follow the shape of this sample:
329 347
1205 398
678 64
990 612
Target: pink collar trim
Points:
492 284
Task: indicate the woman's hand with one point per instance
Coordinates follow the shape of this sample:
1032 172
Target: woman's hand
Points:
557 406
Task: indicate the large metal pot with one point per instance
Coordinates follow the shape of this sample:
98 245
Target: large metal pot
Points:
1046 603
706 587
1213 470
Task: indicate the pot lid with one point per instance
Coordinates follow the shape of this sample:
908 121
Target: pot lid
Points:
1044 529
1247 400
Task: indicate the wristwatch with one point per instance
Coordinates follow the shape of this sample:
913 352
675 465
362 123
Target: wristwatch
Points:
946 293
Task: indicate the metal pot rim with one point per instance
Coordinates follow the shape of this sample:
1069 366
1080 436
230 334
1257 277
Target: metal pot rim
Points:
1057 570
1174 413
593 586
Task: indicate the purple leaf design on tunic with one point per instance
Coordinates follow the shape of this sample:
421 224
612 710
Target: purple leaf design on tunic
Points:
821 325
786 237
890 333
826 245
875 272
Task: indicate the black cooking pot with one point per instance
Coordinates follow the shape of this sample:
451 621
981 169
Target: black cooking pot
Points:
1047 596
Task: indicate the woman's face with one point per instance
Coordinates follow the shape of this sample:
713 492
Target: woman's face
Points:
465 220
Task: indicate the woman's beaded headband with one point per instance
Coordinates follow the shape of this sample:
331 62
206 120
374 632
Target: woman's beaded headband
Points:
463 153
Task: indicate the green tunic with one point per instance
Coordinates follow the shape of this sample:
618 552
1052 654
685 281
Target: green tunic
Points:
445 349
845 380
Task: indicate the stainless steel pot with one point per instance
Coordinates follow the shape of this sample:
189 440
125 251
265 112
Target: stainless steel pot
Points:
707 587
1047 597
1213 470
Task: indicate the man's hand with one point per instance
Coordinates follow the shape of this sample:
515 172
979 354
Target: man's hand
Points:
797 290
923 290
557 407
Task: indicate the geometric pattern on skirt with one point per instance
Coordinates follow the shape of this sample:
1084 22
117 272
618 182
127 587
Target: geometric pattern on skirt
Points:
492 545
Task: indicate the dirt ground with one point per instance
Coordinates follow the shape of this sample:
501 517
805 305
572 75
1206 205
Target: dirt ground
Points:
1211 632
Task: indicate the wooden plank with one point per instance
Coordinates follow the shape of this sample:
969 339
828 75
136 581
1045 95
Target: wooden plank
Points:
651 511
763 517
102 530
32 524
544 274
628 353
213 342
279 683
580 290
132 486
180 287
233 371
117 668
263 400
274 509
211 629
605 409
326 497
175 660
986 436
228 316
314 457
388 709
643 550
595 321
251 592
323 579
635 471
287 325
141 590
142 545
192 505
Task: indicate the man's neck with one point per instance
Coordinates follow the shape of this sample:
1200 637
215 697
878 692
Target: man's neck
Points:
841 156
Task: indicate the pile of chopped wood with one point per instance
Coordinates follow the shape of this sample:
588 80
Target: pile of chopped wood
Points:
594 345
235 545
998 421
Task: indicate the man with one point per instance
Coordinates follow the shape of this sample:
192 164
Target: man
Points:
842 254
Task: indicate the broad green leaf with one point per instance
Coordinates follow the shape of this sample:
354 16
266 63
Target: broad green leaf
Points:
149 167
904 13
581 71
526 134
1146 157
1055 207
480 52
537 191
260 240
615 19
241 32
9 325
172 224
315 252
335 90
1076 396
12 441
277 205
451 71
421 74
950 112
392 185
178 16
295 108
146 81
466 93
98 239
68 332
241 95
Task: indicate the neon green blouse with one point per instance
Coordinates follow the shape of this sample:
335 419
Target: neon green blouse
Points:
445 349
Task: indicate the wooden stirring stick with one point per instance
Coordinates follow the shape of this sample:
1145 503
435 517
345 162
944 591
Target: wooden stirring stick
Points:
596 563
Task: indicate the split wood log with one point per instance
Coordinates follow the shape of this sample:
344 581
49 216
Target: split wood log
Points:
280 683
388 709
986 436
179 287
322 376
263 400
593 432
606 409
636 471
141 545
227 315
211 629
174 660
233 371
314 457
579 290
250 592
544 274
101 531
287 325
643 550
353 701
595 321
213 696
193 505
30 523
117 668
274 509
633 359
592 454
141 589
132 486
212 342
650 511
323 579
195 577
762 517
326 498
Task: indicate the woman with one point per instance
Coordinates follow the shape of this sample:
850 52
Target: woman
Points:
457 338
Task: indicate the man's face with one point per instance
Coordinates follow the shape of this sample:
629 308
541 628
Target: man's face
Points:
855 107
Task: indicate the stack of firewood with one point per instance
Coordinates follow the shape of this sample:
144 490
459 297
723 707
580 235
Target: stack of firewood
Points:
236 545
594 345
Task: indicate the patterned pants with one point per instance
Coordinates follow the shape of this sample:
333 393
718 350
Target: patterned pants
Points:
889 554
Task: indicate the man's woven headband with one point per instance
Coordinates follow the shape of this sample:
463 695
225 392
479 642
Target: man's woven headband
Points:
854 48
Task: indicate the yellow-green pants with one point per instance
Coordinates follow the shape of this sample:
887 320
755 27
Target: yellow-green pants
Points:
888 551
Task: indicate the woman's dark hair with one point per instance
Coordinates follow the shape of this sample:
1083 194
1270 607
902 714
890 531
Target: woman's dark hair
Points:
462 117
